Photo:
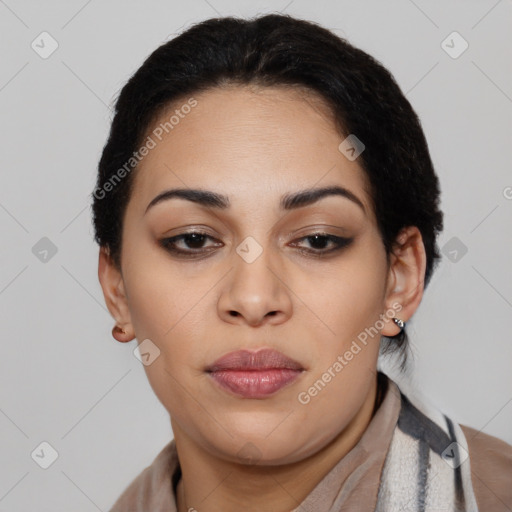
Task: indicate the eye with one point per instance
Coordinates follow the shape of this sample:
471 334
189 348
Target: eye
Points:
192 244
194 241
319 241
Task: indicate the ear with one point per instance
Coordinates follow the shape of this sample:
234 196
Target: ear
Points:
406 276
112 284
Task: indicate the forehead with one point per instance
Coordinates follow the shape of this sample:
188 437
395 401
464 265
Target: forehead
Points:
246 143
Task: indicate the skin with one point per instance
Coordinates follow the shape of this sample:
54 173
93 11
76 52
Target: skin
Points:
255 145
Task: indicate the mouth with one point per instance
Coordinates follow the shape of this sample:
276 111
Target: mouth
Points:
254 374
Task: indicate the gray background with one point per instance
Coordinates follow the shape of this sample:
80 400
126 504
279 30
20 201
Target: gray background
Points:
65 381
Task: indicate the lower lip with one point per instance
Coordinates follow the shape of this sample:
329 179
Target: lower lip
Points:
255 383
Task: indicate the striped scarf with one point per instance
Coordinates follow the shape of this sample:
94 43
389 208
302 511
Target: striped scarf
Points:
427 467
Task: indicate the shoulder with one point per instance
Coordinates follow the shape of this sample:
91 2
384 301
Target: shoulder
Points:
491 470
151 489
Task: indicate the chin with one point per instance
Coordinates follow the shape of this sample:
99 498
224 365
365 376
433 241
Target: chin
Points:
259 448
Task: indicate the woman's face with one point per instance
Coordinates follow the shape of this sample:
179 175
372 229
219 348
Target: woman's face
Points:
254 280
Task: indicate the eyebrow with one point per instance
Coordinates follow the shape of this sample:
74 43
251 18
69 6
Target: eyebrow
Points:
289 201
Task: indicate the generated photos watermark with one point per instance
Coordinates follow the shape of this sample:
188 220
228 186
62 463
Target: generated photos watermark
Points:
304 397
150 143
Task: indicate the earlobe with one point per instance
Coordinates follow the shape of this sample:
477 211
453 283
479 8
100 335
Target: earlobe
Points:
405 278
119 334
112 284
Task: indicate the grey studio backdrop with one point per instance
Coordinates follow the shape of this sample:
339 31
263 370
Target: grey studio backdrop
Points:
77 402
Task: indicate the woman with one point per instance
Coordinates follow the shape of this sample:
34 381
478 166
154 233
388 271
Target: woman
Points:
267 214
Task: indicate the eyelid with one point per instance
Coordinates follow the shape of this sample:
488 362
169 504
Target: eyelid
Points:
340 242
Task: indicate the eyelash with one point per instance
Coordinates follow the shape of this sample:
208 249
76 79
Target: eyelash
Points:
169 245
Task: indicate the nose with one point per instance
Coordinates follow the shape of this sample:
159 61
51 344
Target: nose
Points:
255 293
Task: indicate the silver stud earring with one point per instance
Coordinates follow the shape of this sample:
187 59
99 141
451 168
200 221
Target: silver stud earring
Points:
400 323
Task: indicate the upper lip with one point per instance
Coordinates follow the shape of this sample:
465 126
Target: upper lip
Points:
263 359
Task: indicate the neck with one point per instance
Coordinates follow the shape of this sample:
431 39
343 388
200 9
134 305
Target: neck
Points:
214 484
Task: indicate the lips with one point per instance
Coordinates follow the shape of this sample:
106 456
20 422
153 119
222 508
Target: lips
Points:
254 374
246 360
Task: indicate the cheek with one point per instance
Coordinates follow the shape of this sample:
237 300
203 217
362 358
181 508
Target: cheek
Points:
162 312
159 296
169 309
154 306
350 298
